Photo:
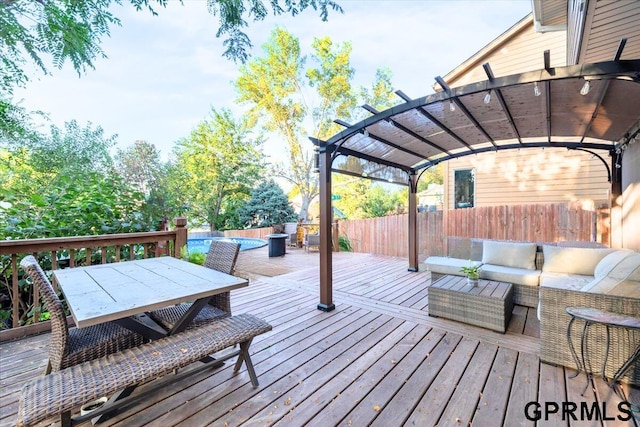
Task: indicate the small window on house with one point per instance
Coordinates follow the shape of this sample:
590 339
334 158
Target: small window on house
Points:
464 185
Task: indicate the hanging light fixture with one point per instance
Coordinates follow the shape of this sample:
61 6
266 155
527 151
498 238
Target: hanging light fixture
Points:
487 97
585 88
366 133
452 106
536 89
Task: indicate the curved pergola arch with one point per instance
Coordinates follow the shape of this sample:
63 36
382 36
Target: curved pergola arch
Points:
589 107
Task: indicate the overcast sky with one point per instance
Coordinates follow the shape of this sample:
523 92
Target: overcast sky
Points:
164 73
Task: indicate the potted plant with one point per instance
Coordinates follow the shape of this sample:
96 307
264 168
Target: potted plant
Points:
473 273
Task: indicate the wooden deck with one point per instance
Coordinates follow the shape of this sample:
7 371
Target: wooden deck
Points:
378 359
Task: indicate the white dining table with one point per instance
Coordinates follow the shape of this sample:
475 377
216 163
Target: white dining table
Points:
124 291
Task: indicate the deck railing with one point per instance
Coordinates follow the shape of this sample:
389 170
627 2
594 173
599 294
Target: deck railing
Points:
68 252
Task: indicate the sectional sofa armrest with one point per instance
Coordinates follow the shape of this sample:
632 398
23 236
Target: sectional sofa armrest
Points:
554 321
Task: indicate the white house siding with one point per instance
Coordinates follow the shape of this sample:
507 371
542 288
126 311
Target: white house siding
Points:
521 52
607 22
532 176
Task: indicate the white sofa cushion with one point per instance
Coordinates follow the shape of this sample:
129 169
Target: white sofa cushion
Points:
580 261
572 282
509 254
445 265
517 276
610 261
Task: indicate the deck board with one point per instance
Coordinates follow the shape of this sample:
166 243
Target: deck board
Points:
377 359
492 406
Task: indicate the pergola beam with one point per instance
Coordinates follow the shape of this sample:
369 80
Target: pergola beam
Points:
503 103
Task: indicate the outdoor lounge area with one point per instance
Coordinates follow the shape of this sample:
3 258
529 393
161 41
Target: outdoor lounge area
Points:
377 359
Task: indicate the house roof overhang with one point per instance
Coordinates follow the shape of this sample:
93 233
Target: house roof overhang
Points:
545 108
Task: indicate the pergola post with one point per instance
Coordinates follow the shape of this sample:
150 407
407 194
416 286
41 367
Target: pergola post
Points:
413 222
615 204
326 265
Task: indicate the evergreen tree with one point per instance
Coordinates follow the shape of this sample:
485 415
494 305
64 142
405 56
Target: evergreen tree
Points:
267 206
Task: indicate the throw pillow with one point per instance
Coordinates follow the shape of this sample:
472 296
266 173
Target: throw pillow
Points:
509 254
581 261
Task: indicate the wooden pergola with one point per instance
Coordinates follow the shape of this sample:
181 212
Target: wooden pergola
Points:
588 107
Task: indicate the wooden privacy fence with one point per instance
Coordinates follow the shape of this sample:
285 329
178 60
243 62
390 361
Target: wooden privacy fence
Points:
389 235
251 233
535 223
529 223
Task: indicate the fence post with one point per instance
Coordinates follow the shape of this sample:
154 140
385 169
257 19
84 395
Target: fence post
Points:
336 236
181 235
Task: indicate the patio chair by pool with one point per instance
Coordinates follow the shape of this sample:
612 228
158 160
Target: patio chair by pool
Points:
69 347
222 256
290 231
312 241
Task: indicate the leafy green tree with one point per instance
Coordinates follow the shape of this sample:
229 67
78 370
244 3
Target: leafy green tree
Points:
75 204
217 163
380 202
64 185
140 165
267 206
84 149
354 191
381 95
274 86
39 31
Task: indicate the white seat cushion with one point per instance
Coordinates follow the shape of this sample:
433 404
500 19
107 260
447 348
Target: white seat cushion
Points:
572 282
445 265
518 276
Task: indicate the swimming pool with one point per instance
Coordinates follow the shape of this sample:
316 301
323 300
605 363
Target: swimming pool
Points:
202 245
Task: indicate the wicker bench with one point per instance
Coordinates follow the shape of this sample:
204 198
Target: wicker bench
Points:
61 392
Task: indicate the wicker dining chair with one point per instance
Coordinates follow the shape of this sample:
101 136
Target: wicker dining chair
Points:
72 346
222 256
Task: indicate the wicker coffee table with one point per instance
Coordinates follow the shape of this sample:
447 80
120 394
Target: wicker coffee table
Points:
488 305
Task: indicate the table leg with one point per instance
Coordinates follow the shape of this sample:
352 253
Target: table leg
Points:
635 357
144 325
583 341
572 349
193 311
114 398
606 355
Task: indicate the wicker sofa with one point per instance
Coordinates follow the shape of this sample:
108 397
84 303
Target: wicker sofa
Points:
517 263
560 277
614 287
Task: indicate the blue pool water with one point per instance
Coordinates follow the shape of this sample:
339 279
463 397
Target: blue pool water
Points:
202 245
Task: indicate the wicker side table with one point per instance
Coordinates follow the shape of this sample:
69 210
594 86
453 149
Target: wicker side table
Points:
488 305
